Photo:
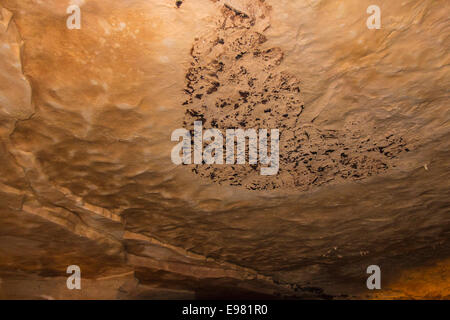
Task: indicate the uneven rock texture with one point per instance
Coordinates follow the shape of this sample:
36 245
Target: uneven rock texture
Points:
237 83
86 176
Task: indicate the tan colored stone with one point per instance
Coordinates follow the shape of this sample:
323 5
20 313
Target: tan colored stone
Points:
86 176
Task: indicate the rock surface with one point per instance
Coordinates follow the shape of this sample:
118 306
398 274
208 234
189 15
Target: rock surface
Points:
86 176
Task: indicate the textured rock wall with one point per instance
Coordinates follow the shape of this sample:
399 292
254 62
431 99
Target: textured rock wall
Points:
86 176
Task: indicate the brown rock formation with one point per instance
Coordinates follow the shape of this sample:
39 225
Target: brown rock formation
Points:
86 176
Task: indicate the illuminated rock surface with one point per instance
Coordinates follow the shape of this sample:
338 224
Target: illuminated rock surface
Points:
86 176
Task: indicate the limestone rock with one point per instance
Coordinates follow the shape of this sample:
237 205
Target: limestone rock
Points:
86 176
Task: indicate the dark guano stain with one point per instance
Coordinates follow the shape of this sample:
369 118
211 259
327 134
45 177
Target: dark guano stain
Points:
235 82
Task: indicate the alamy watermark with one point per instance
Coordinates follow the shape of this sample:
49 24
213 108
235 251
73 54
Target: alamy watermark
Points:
374 281
374 21
74 281
74 20
235 147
